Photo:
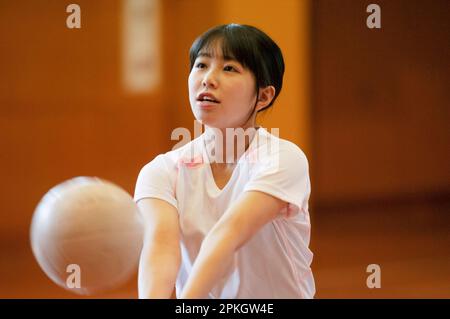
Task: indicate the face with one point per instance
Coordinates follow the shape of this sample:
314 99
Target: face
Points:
222 93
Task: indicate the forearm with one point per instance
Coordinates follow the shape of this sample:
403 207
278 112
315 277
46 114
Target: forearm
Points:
238 225
214 258
158 270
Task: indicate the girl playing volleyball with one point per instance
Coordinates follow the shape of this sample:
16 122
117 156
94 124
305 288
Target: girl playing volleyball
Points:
227 214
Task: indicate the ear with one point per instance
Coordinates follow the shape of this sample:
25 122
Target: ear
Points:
265 96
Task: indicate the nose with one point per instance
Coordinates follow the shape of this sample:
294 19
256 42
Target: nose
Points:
210 79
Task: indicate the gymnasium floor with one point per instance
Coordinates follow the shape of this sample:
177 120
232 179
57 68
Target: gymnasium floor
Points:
410 242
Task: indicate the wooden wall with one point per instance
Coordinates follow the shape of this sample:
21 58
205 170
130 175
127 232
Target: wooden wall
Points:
64 111
380 109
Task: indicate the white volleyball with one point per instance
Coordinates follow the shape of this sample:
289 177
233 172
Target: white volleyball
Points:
86 234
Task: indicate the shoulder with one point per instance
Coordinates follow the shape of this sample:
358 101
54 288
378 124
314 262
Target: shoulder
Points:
281 170
171 159
273 149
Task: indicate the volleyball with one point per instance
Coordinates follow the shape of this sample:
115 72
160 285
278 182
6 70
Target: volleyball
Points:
86 235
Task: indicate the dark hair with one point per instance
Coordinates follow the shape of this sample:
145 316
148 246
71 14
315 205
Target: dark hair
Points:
251 47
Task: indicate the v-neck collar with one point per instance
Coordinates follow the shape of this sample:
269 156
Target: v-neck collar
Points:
211 183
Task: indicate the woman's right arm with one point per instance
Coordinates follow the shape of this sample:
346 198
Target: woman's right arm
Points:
161 257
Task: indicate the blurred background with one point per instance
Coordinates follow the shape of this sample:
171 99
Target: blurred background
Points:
369 107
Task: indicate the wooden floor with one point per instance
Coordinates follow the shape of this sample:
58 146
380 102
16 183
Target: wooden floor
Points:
410 242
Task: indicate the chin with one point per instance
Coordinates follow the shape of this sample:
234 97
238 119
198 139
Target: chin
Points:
209 120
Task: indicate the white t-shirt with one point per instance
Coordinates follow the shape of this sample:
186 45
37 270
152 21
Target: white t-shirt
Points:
275 262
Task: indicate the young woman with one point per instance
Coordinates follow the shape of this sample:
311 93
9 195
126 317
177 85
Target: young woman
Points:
227 215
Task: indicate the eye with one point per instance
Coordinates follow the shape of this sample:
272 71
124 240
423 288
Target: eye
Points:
200 65
229 68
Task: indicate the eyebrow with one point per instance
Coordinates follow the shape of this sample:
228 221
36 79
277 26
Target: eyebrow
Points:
208 55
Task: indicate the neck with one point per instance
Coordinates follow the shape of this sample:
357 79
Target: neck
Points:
226 145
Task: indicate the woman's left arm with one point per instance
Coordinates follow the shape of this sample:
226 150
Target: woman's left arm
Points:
238 224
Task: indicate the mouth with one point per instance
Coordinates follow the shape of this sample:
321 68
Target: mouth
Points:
207 98
205 104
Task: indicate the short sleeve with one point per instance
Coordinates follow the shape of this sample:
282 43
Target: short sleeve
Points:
155 180
283 174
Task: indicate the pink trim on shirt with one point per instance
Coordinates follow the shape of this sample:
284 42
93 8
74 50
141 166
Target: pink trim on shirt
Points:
191 162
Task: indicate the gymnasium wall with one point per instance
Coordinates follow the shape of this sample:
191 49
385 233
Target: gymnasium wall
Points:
64 111
380 105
